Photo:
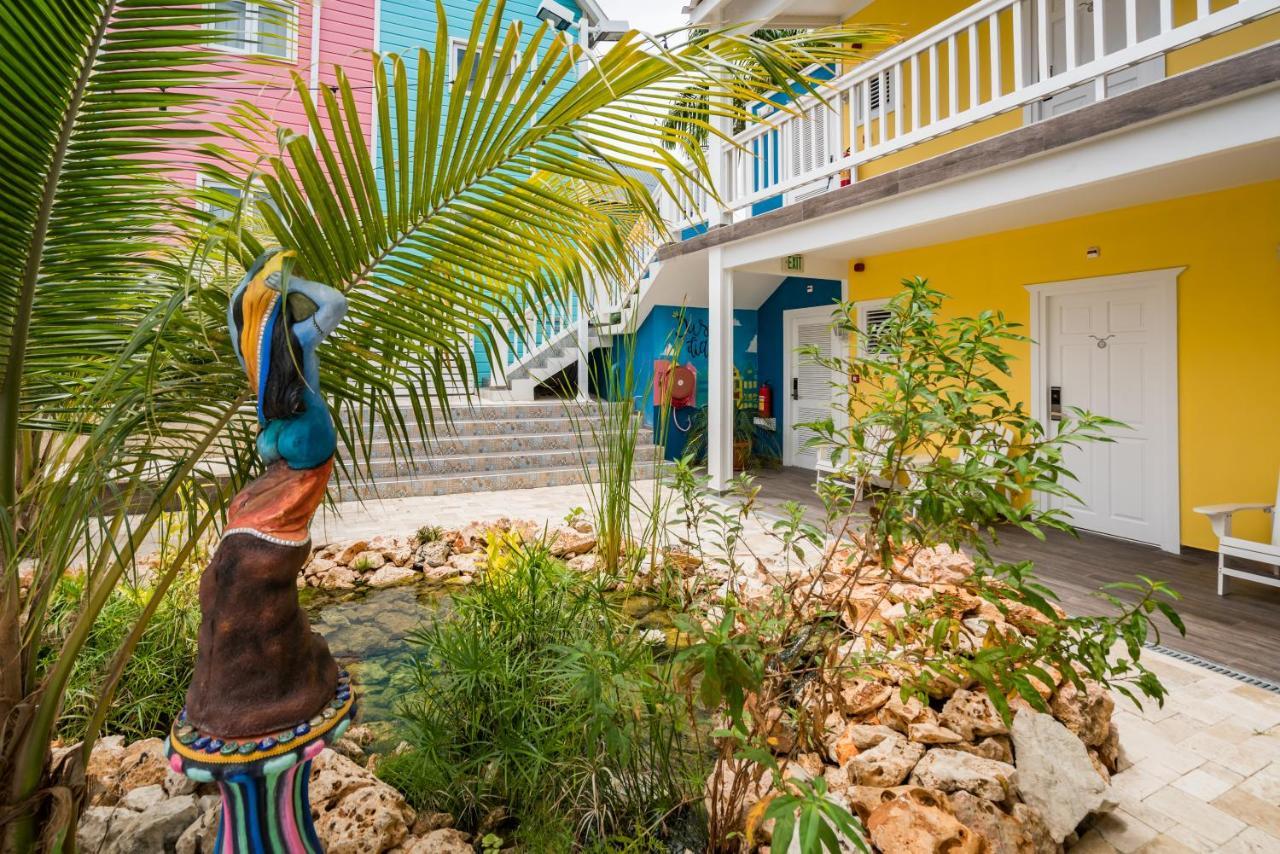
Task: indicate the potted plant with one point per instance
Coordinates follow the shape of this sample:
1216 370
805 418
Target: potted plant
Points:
744 436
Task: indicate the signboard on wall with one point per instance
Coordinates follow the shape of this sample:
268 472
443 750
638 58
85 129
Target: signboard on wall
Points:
793 264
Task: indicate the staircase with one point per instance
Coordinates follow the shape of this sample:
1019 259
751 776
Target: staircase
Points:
495 446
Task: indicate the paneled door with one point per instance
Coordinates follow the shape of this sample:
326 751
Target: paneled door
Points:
1109 346
809 392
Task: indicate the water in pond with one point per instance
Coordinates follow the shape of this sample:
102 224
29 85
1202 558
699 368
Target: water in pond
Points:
367 631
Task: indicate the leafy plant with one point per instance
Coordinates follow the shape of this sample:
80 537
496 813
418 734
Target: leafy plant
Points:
816 822
744 435
534 701
428 534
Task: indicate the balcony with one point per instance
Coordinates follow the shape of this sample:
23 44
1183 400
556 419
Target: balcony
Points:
996 66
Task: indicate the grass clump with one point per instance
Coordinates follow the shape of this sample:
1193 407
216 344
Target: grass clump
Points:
154 684
538 714
428 534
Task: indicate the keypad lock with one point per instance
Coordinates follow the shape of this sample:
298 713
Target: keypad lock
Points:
1055 403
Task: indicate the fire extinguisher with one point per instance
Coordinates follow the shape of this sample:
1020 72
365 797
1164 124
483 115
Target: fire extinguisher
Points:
766 401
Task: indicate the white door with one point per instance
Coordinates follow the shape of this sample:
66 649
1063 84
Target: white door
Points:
1117 82
1109 346
809 390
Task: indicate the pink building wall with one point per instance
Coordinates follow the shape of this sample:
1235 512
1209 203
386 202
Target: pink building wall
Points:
346 39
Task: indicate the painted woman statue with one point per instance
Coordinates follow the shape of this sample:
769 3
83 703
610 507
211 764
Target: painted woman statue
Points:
267 695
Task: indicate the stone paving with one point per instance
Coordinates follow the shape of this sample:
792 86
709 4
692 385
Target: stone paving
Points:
1205 768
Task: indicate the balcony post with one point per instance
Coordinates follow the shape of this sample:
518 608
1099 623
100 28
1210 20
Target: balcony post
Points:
720 414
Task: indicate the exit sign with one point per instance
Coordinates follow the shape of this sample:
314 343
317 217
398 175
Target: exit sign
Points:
793 263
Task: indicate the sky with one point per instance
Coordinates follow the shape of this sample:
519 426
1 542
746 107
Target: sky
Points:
654 16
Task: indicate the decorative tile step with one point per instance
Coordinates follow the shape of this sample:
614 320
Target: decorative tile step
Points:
388 469
506 426
485 411
382 449
488 482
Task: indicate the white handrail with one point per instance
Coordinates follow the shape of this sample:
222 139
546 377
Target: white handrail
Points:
795 147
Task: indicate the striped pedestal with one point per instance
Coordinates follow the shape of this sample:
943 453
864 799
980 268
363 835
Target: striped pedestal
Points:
263 782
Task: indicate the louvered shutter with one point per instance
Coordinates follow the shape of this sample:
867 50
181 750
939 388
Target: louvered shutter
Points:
813 384
871 319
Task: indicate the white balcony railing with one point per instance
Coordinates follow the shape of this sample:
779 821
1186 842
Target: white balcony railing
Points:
994 57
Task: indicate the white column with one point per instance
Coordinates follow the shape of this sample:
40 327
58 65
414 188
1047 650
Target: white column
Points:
720 412
721 178
584 337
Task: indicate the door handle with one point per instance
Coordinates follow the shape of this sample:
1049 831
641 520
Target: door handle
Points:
795 389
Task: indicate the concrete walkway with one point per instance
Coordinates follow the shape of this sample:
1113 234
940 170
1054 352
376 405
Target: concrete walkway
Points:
1205 773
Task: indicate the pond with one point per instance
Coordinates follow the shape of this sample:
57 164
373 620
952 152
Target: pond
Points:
368 630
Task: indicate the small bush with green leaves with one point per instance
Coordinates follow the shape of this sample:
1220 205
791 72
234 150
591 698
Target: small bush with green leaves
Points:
154 684
534 700
428 534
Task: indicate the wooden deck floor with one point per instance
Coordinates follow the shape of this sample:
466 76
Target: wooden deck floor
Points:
1240 630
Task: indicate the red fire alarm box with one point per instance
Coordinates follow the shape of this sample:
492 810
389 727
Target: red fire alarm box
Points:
675 383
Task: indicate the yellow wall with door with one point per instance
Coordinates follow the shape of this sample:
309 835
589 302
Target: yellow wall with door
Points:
1228 319
909 18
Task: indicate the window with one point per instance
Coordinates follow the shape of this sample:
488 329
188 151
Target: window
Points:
458 55
872 314
877 97
266 29
225 207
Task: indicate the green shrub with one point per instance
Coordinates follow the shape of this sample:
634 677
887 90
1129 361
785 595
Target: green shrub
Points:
538 714
428 534
154 685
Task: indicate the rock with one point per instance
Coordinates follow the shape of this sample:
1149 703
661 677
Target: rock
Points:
368 561
886 764
353 810
995 747
582 526
103 771
569 543
179 784
856 737
1086 713
337 578
99 827
901 715
755 788
157 829
434 554
429 821
401 554
862 697
917 821
972 714
954 771
589 562
1037 831
143 764
468 563
390 576
201 836
143 798
446 840
1054 773
348 553
1003 833
931 733
441 574
1109 749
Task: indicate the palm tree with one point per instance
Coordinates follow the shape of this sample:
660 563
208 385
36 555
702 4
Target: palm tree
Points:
121 400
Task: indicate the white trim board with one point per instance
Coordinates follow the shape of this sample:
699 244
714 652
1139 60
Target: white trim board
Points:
1167 279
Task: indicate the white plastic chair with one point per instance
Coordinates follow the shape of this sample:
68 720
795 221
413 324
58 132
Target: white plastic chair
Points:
1229 546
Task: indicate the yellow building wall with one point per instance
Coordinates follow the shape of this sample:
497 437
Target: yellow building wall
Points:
909 18
1228 311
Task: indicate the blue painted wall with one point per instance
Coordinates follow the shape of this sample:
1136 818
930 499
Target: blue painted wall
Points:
660 330
794 292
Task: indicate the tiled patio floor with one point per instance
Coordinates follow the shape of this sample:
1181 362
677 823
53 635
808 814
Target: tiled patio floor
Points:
1205 773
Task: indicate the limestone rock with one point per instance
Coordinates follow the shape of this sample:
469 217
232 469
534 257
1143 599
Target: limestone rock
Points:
103 770
972 714
862 696
901 715
918 821
348 553
143 798
467 563
995 747
179 784
353 810
589 562
931 733
856 737
446 840
435 553
100 826
336 578
143 764
1003 833
886 764
368 561
443 573
1054 773
390 575
158 828
954 771
756 788
1037 831
1087 713
570 543
201 836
